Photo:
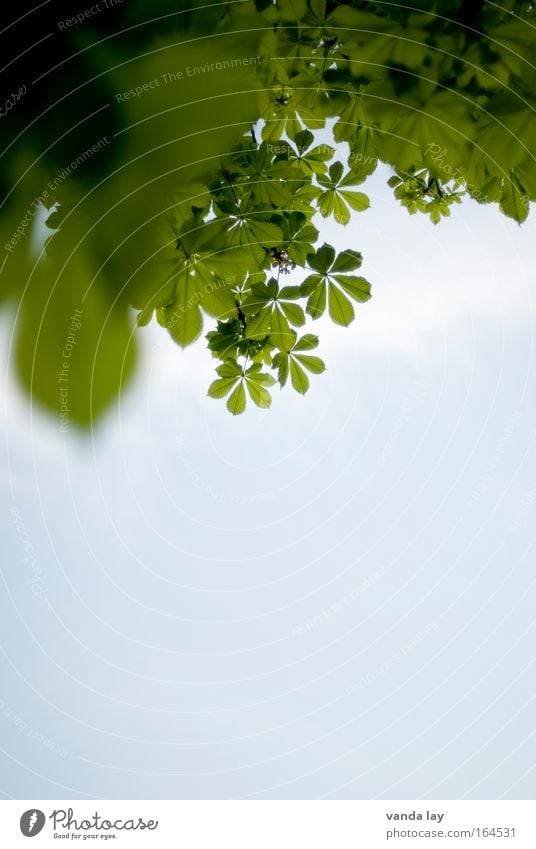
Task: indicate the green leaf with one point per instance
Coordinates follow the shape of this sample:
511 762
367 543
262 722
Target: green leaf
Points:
75 346
340 309
348 260
294 314
336 171
221 387
363 158
267 234
183 317
307 343
304 139
189 197
318 8
280 332
358 201
236 403
184 323
314 364
290 293
282 364
259 326
229 368
311 282
288 361
357 287
292 10
336 199
218 300
298 377
260 396
513 202
341 213
326 203
144 317
311 161
322 260
260 377
299 235
316 305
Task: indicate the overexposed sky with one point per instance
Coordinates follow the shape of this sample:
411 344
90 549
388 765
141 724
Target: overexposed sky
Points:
330 599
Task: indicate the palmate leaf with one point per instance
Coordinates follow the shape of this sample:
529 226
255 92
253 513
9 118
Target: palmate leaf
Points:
506 137
260 295
323 259
278 110
259 325
152 284
304 200
312 97
207 249
420 191
247 229
226 341
192 284
252 235
310 160
293 362
377 38
329 287
298 235
419 118
195 287
270 310
269 178
235 380
216 294
353 115
337 200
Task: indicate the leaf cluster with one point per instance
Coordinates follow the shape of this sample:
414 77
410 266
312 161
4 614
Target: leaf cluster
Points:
189 215
236 241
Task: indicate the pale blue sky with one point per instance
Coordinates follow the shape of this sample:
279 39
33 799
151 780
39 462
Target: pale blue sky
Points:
330 599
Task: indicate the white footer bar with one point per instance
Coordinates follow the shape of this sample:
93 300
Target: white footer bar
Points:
270 824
